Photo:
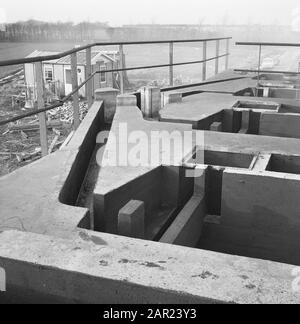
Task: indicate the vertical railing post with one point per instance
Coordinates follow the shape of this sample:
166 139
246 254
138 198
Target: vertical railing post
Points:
89 84
204 61
171 62
259 65
121 53
41 105
217 57
227 53
74 76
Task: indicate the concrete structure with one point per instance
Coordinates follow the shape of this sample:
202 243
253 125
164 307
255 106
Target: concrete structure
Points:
150 101
95 232
131 220
109 98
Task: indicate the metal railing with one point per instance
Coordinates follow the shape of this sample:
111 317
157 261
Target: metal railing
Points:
259 70
88 83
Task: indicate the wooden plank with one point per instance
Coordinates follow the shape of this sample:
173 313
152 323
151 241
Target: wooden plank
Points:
34 127
41 105
90 84
74 76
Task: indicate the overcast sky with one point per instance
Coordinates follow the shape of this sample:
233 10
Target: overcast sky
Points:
119 12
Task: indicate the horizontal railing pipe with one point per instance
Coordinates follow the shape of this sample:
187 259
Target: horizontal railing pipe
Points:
200 84
267 44
61 102
82 48
266 71
54 106
86 47
160 65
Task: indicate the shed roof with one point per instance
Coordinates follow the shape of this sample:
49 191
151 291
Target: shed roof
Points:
81 57
37 53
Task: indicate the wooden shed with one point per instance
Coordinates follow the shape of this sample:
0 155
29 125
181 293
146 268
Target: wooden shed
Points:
57 73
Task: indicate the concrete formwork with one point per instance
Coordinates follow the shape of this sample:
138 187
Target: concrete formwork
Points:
244 202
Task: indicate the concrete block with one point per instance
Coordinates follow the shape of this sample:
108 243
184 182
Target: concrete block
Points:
109 97
126 101
131 220
150 101
171 97
216 127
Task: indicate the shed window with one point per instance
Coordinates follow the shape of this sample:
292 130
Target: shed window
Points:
48 74
102 74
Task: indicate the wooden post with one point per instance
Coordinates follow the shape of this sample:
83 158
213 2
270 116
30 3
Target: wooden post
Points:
217 55
89 85
74 76
41 104
121 53
204 59
227 52
171 60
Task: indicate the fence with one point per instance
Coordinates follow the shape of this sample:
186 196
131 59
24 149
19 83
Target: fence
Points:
88 83
259 64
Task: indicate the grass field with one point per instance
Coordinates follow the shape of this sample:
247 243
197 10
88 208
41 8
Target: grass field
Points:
137 55
149 55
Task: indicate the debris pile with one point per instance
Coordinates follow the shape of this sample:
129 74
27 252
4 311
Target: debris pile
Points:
65 112
20 141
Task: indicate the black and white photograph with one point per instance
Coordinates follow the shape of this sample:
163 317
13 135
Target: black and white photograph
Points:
149 155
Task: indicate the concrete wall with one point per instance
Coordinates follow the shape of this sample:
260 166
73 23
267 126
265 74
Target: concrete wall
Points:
100 268
253 243
145 188
283 125
283 93
284 163
187 227
205 123
256 200
85 137
259 216
164 188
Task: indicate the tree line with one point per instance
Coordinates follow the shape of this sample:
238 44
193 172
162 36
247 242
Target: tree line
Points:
33 30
